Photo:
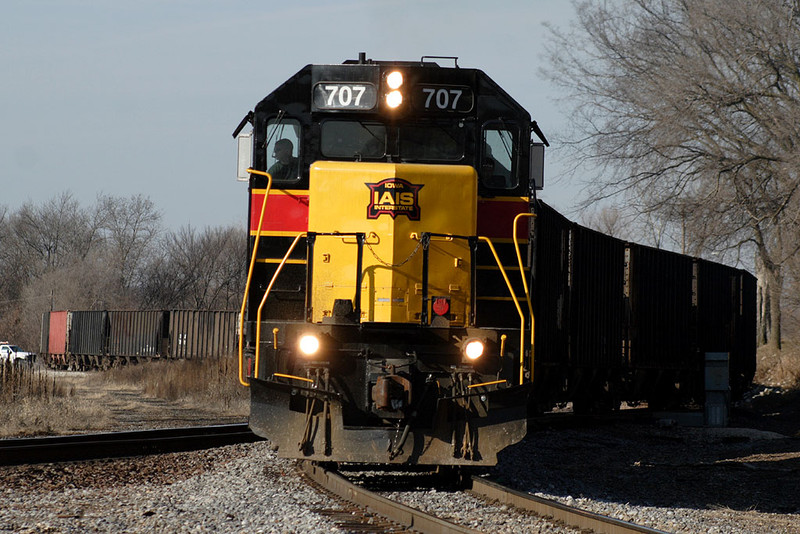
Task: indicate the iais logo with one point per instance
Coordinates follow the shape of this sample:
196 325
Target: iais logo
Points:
393 197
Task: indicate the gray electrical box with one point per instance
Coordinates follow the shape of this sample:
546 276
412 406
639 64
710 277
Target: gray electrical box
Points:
717 382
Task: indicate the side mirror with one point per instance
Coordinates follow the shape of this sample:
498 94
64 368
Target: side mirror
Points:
245 156
537 165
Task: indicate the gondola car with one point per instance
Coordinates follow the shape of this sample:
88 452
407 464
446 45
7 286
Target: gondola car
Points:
99 339
398 258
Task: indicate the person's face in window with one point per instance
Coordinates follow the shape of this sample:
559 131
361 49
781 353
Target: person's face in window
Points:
282 153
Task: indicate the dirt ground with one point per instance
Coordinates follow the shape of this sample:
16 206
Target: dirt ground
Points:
772 409
130 409
112 406
95 405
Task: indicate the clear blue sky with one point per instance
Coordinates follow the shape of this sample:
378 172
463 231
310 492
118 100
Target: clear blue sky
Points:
141 96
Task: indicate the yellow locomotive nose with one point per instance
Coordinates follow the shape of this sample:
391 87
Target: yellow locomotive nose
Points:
393 206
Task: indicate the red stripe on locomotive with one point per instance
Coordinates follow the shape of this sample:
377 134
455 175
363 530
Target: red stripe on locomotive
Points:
286 212
496 217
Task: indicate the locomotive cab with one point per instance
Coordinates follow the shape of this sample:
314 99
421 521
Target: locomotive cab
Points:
387 316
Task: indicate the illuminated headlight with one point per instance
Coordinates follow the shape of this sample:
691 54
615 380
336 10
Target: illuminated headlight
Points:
473 349
308 345
394 99
394 80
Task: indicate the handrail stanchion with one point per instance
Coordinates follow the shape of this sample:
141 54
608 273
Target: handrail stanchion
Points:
266 294
524 280
516 304
250 275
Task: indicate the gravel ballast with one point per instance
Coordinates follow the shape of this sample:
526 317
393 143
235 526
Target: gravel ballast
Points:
238 488
677 480
674 478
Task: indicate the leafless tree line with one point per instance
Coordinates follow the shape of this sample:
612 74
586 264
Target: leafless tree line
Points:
112 255
692 110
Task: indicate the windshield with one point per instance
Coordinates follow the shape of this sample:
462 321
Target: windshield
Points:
353 139
432 142
367 140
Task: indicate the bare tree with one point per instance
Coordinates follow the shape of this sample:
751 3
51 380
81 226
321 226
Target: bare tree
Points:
86 284
198 270
48 250
58 255
44 238
53 234
130 227
692 107
607 219
4 252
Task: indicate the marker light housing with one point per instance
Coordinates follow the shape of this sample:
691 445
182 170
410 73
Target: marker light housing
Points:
394 81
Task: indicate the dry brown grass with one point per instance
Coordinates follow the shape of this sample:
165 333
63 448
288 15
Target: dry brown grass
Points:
44 417
209 381
779 368
36 401
21 381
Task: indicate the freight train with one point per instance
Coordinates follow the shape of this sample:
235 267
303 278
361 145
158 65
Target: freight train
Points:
409 300
98 339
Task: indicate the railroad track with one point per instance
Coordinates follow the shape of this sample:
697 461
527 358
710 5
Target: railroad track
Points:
404 516
119 444
416 520
372 512
573 517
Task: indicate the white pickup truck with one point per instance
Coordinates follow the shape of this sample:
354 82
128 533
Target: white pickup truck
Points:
12 353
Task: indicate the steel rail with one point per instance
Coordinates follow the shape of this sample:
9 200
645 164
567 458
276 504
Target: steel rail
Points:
573 517
399 513
118 444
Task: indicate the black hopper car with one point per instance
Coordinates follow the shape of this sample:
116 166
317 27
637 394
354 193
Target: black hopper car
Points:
409 300
97 339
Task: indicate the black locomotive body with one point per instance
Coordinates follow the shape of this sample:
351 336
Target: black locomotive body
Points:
408 298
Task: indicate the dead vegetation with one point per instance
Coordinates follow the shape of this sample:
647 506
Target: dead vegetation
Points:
20 381
212 380
779 369
37 401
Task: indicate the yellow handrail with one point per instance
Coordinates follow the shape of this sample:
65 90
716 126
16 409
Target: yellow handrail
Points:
492 383
519 309
524 280
266 294
294 377
250 275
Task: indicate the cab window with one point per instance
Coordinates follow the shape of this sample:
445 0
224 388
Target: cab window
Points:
498 157
353 140
432 142
282 150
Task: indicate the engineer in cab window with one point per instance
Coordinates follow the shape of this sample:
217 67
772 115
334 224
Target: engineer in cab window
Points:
285 168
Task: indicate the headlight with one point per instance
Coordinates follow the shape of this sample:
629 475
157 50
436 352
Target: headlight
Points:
394 99
308 344
473 349
394 79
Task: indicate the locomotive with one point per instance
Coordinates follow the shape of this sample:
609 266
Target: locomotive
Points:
409 300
